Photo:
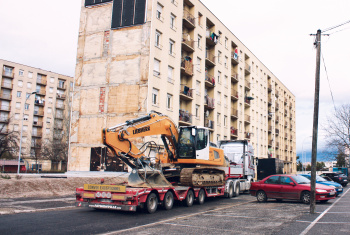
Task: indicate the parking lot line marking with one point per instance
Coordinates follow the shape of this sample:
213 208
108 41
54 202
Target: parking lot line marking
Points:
175 218
233 216
308 228
193 226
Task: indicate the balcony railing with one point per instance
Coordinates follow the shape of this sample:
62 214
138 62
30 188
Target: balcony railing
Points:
37 133
39 112
247 135
58 126
234 58
4 119
5 107
37 123
234 131
234 113
234 94
247 84
277 144
234 77
277 93
209 123
185 116
277 106
277 131
286 136
269 87
270 143
209 79
247 101
190 19
185 90
247 67
59 116
187 67
285 113
188 43
41 92
246 118
60 96
60 106
209 102
39 102
210 58
277 119
270 129
7 85
62 86
9 74
41 80
5 96
211 38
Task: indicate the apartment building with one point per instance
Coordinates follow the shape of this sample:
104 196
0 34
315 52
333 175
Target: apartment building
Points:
177 58
40 98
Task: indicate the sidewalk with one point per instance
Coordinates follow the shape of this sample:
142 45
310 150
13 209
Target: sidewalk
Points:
328 219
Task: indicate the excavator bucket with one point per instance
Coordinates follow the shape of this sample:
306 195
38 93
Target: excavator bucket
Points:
148 178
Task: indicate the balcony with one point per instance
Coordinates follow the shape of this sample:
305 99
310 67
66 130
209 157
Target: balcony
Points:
269 115
36 144
234 132
285 113
189 20
186 93
270 129
269 87
246 102
291 148
269 101
41 92
291 126
234 94
59 116
285 100
277 145
5 96
60 106
60 96
290 105
234 58
37 123
7 85
186 67
209 103
6 108
246 118
247 84
41 81
37 134
188 44
209 80
185 117
209 123
39 112
270 143
277 106
234 113
277 131
4 120
286 136
247 135
277 119
58 126
285 124
8 73
277 93
211 38
38 102
209 59
234 77
286 147
247 68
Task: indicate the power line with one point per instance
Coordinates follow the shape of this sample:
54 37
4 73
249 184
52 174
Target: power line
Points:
330 28
325 68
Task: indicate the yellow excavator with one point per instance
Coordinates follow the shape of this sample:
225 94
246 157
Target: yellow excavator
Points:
188 158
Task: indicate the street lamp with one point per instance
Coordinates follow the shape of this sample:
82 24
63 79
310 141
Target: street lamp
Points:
20 140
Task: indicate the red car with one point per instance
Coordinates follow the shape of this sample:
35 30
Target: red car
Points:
293 187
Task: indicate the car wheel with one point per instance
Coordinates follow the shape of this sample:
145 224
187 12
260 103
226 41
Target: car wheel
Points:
201 197
151 203
189 198
168 201
230 191
237 190
261 196
344 185
305 197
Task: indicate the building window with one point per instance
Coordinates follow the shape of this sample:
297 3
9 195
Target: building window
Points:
218 98
225 121
15 128
218 119
226 62
26 106
51 89
200 19
169 101
52 79
48 120
225 101
198 87
159 12
219 57
29 85
30 74
199 63
218 138
158 38
19 93
197 111
47 131
156 69
128 12
219 77
155 96
49 110
172 21
226 81
199 42
17 116
8 71
25 128
20 83
170 74
26 116
21 72
171 47
226 42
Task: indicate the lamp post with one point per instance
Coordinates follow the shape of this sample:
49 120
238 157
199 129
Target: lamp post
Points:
302 153
20 140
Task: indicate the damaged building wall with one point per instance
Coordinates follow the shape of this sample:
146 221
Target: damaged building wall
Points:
111 80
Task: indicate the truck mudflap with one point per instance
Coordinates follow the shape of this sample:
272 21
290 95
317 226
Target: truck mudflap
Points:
106 206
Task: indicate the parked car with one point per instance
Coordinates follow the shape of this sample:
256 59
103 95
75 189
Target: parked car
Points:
293 187
337 177
320 180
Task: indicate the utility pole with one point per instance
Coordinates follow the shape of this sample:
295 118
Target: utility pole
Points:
315 124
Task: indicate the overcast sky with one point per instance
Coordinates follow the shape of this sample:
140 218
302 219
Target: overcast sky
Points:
44 34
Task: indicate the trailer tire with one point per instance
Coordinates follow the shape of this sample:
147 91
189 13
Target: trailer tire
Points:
201 197
230 192
151 203
237 189
189 198
168 201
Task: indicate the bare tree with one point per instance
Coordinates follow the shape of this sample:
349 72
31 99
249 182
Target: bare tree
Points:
337 129
8 142
35 151
55 150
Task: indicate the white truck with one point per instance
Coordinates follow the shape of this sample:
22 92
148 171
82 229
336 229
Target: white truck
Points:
241 172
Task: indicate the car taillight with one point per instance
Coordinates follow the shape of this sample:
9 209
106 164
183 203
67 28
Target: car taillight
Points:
340 178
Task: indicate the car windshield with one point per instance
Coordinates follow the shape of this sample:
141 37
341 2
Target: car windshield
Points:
319 178
300 179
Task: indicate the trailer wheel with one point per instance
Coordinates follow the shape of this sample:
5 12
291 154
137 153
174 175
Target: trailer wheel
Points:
189 198
168 201
237 189
230 190
201 197
261 196
151 203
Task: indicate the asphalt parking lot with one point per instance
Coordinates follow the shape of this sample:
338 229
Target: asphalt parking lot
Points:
250 217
